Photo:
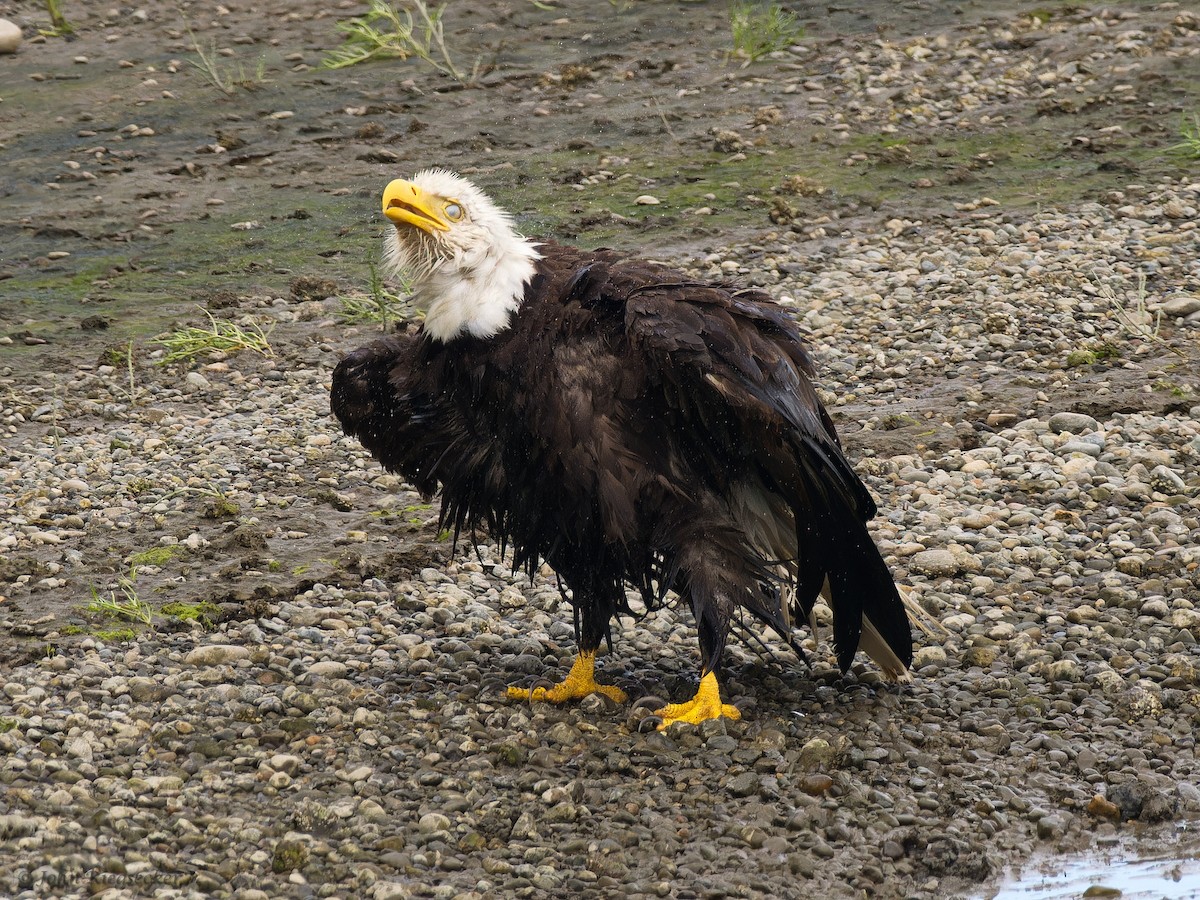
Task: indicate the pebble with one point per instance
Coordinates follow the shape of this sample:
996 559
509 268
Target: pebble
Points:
1180 307
1073 423
932 655
1103 809
816 785
328 668
216 655
10 36
935 563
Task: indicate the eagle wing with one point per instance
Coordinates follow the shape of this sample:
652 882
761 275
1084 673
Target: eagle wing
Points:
373 399
736 377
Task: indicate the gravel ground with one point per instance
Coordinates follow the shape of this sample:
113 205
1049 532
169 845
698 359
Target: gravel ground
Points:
316 707
348 737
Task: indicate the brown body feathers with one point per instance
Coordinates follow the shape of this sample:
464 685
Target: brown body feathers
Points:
633 427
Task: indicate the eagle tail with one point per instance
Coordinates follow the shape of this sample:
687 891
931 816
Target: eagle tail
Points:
837 558
868 612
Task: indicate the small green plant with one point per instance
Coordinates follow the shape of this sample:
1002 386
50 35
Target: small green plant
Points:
129 371
59 26
122 358
289 855
137 486
216 505
1171 387
203 612
155 556
7 724
389 33
895 421
123 602
114 635
759 29
221 335
1089 356
226 77
380 306
1190 132
54 429
112 356
1135 320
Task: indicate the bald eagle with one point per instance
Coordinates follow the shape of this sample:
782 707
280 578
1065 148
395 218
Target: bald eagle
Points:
625 423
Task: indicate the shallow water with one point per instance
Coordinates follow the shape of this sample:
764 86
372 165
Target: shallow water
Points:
1127 872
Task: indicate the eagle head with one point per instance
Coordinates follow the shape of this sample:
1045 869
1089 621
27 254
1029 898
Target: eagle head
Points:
468 265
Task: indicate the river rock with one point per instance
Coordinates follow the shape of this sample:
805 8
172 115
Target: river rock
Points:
1073 423
10 37
216 655
935 563
1179 307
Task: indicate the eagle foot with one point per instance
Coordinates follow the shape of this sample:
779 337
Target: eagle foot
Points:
705 705
579 683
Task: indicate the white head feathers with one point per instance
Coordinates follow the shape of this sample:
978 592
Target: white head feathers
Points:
468 265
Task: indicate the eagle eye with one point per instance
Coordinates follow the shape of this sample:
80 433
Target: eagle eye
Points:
453 211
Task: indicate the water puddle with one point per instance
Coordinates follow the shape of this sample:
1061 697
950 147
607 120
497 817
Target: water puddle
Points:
1126 871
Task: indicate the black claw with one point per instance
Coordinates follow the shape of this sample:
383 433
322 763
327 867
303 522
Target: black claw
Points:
650 701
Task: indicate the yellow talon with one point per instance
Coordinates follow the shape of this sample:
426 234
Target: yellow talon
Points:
705 705
580 682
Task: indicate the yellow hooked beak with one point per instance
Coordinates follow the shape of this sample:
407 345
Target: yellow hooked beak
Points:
404 202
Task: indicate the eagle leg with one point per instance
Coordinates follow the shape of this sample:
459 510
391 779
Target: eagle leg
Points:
705 705
580 682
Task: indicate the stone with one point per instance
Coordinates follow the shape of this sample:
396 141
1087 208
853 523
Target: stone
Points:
1073 423
1102 808
1050 827
524 827
1141 801
1179 307
816 754
744 785
1189 795
1166 480
1064 670
929 656
936 563
815 785
80 748
285 762
216 655
433 822
1186 618
328 668
10 36
981 656
145 690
